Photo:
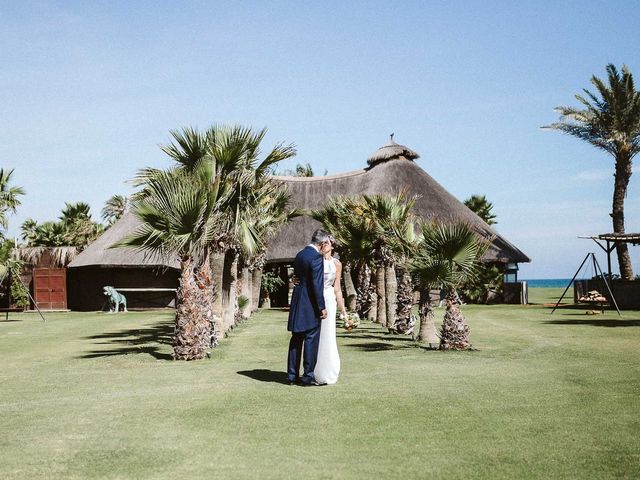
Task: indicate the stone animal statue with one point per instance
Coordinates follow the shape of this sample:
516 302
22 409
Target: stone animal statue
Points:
115 299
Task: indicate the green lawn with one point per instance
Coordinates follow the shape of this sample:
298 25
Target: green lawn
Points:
97 396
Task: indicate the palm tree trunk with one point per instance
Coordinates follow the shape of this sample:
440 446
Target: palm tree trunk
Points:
216 261
194 313
349 287
229 285
245 284
404 319
622 176
427 319
454 332
256 278
391 290
381 316
367 303
363 289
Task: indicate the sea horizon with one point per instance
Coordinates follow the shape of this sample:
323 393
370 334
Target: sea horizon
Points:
546 282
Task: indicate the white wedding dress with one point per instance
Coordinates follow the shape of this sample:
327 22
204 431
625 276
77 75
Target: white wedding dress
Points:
328 363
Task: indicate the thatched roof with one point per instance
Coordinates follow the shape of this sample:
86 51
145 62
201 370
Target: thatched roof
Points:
391 151
391 177
98 254
391 170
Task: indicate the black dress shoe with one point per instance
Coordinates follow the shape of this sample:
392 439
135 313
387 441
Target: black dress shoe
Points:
312 383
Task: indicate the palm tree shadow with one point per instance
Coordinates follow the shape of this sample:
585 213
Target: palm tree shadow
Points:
134 341
379 346
264 375
381 336
379 339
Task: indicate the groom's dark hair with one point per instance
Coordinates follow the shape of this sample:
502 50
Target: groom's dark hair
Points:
320 236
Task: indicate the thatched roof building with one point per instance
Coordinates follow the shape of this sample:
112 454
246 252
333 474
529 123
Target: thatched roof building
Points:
391 169
99 253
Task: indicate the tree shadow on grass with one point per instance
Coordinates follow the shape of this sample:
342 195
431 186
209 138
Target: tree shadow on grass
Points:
134 341
264 375
379 346
613 323
380 340
382 336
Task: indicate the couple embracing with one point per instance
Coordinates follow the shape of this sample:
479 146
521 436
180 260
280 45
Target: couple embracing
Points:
312 317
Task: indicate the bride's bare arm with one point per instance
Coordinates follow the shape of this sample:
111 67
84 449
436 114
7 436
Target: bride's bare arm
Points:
337 289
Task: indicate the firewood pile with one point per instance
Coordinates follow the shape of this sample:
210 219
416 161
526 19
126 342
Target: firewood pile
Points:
593 297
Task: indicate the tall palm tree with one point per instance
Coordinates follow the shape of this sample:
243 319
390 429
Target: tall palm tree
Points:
610 121
9 197
240 147
114 208
446 256
180 212
233 151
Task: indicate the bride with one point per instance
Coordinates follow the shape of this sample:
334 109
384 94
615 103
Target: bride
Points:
328 363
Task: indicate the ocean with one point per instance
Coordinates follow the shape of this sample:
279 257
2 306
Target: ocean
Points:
547 282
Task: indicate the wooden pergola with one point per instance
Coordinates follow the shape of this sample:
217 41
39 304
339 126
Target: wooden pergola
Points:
612 239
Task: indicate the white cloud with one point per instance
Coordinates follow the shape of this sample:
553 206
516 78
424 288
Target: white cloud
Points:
600 174
593 175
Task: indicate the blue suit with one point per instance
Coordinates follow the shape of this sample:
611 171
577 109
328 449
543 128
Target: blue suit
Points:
307 302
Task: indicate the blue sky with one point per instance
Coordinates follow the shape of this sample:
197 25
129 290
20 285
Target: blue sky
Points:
89 90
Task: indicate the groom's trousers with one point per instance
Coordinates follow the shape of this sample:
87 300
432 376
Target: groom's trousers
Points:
303 345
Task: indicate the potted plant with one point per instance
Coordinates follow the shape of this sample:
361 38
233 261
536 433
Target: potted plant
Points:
270 283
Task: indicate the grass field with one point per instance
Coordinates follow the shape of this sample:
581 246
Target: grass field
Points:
543 396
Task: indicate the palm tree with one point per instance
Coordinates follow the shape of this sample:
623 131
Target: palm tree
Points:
232 153
446 256
9 197
610 122
62 240
80 229
271 212
180 212
29 230
237 149
373 231
304 170
114 208
344 218
393 224
482 207
74 212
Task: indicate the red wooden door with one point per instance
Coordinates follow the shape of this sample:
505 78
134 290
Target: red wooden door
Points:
50 288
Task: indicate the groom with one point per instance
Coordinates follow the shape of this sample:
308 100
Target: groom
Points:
307 309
